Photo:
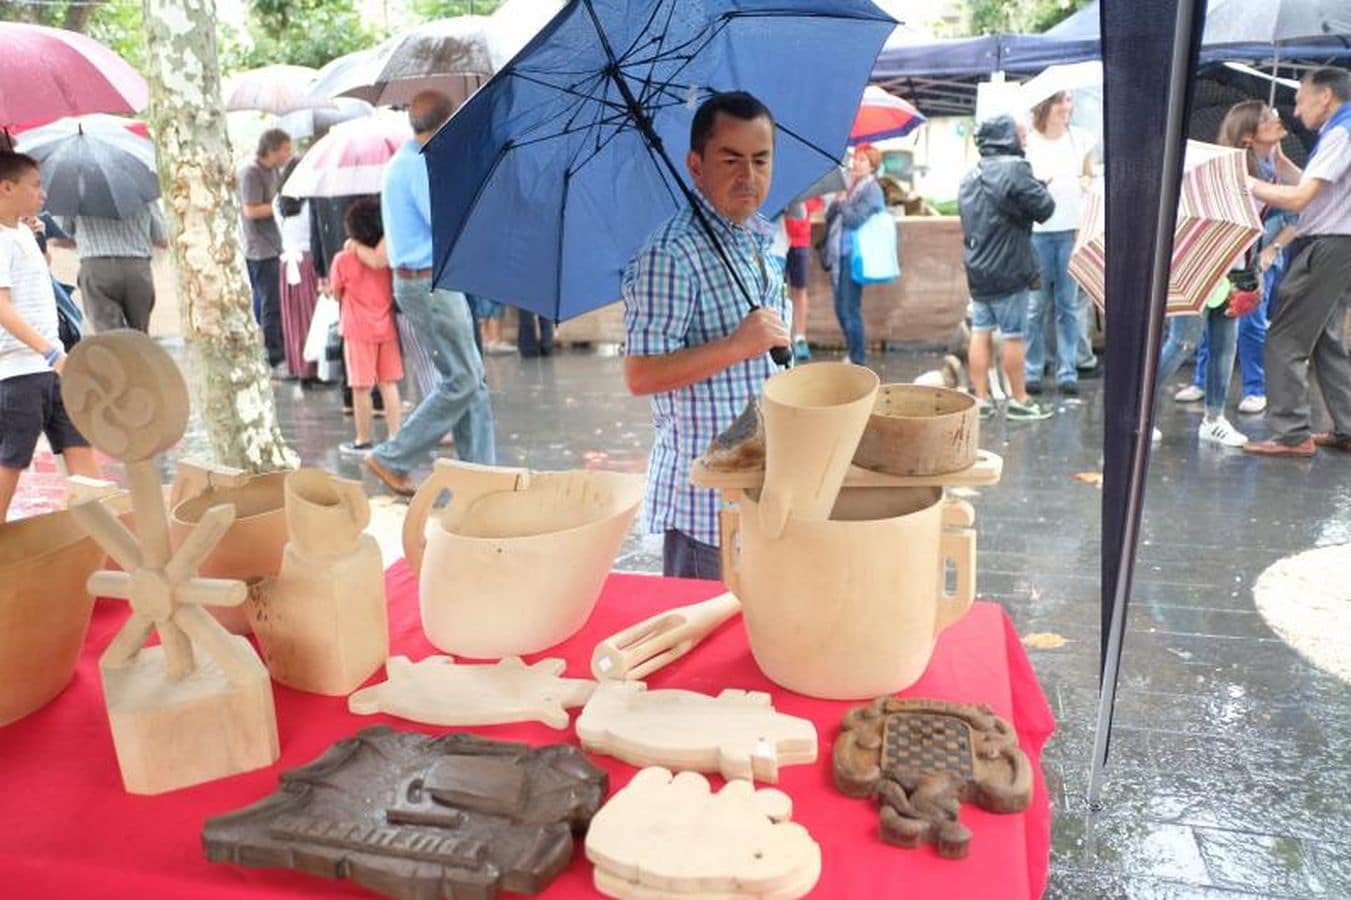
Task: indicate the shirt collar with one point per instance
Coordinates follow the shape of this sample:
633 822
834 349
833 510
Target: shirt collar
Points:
757 227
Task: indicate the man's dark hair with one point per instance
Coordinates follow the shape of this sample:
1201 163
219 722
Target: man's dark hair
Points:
737 104
1336 80
363 221
14 165
271 141
429 111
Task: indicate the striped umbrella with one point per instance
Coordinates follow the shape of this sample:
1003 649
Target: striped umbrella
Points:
350 159
1216 221
882 115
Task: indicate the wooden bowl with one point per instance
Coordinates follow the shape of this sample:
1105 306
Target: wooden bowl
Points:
44 608
919 430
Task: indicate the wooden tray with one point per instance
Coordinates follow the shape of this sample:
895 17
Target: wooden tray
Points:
985 471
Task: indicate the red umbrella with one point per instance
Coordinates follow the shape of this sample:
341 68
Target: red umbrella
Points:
50 73
882 115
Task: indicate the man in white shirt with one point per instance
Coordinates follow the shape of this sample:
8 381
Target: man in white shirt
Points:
31 355
1315 294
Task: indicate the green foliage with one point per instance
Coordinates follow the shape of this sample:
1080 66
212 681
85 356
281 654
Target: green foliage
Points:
426 10
298 32
119 26
1026 16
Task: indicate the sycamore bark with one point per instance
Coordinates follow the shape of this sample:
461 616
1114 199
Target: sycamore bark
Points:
227 365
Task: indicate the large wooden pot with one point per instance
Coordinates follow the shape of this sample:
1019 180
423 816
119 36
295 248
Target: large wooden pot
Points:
44 608
919 430
516 562
852 607
252 547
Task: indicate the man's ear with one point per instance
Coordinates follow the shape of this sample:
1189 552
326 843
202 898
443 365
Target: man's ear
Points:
695 163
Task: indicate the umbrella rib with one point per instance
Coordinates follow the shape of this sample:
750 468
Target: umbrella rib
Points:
570 89
656 9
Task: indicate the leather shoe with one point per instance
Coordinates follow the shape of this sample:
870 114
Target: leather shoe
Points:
1276 448
1333 441
399 484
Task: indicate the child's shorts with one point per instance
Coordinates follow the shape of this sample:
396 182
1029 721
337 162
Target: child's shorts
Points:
29 406
369 363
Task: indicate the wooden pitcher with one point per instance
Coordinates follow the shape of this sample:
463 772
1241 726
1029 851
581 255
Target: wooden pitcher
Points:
851 607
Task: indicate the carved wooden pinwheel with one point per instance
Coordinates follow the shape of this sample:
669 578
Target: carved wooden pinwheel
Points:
127 397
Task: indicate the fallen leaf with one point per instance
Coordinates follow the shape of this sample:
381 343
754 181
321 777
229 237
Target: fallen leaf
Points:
1044 640
1093 478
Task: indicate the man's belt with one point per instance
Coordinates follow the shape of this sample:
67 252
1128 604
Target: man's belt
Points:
403 272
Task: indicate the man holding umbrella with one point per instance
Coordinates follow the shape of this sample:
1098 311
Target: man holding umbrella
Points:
690 344
1316 290
116 282
460 403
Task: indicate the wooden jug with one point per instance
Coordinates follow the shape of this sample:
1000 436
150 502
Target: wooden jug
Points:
851 608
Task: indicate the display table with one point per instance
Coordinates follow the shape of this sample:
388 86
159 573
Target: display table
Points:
69 830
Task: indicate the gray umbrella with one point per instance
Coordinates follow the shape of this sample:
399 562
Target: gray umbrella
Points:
1274 22
107 173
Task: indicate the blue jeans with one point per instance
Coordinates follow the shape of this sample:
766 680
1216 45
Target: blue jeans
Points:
849 309
1252 343
1184 334
460 402
1061 292
265 280
684 557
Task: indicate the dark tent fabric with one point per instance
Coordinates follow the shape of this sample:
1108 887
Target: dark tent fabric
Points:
1145 99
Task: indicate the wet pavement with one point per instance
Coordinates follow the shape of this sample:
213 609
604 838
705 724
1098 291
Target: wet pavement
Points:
1231 767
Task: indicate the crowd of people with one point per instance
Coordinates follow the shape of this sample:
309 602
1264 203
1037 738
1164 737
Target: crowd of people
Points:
689 344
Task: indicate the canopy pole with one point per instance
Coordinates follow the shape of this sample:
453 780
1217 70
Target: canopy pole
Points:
1178 84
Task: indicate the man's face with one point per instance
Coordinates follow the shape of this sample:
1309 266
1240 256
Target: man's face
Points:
24 196
279 157
1313 105
734 171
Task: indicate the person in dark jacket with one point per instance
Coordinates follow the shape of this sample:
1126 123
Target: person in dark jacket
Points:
999 200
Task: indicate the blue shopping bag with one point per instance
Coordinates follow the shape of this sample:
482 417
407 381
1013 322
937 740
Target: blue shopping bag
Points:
874 258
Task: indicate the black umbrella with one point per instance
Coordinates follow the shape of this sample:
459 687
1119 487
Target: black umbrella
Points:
106 172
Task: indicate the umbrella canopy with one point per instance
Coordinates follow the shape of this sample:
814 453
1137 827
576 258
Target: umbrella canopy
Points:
545 183
1216 221
350 159
273 89
453 56
1274 21
49 73
101 170
318 120
882 115
1067 78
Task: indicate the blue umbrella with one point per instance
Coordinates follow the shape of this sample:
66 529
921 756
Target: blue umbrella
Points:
547 180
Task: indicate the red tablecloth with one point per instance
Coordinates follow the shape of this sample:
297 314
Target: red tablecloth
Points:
69 830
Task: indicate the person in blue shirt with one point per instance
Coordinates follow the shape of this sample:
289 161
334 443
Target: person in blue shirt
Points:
460 403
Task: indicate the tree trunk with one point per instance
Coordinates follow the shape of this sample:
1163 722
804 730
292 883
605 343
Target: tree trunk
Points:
229 371
77 16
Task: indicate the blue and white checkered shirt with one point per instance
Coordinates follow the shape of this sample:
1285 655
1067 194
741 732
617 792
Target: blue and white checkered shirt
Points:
679 294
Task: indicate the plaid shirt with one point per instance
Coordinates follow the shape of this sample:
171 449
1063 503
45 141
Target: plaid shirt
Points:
678 294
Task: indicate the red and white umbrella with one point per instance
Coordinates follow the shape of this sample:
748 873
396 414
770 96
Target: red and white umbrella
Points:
350 159
50 73
882 115
1217 220
273 89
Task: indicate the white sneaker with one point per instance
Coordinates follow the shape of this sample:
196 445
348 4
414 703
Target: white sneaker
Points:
1156 436
1219 431
1253 403
1189 394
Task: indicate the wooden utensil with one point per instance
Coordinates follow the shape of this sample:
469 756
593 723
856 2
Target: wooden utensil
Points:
639 651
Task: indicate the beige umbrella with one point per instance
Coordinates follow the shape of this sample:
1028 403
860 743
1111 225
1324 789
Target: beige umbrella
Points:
275 89
1216 221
